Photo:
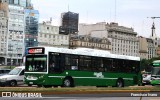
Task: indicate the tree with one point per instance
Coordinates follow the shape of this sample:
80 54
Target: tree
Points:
146 64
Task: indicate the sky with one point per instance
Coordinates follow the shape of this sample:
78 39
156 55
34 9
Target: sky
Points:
128 13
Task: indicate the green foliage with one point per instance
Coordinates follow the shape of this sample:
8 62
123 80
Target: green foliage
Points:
146 64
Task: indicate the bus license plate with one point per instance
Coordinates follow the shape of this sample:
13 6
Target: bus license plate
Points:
30 82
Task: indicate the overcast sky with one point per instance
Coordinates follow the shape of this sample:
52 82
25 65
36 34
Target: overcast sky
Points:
129 13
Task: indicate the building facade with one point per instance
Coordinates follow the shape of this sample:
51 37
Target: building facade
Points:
143 47
22 29
153 43
124 40
152 46
86 41
69 23
31 29
48 35
15 37
23 3
3 31
94 30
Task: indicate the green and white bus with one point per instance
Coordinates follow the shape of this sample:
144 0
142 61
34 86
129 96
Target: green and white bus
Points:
155 74
50 66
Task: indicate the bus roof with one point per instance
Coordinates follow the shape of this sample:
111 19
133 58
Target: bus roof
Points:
89 52
156 61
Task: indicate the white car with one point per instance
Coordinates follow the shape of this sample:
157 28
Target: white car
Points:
14 77
146 79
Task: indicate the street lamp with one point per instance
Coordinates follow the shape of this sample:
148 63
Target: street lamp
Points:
10 49
17 52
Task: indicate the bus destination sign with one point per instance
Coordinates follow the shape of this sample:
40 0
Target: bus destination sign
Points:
36 51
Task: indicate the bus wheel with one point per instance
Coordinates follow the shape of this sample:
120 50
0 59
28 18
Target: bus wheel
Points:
13 83
119 83
67 82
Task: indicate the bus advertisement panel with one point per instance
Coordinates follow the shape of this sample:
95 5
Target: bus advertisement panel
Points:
80 67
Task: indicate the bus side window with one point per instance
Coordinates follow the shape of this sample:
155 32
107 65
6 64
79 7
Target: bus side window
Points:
55 62
74 63
85 63
67 59
107 63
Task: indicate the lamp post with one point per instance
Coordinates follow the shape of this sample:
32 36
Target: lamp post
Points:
17 52
10 47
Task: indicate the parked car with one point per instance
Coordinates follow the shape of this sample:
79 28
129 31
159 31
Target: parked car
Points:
146 78
4 71
14 77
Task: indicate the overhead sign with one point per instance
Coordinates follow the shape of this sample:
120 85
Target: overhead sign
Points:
35 50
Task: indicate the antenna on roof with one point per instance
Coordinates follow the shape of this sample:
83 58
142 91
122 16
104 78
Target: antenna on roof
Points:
68 5
115 10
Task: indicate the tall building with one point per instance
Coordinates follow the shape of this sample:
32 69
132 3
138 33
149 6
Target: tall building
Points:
151 48
94 30
69 23
153 33
12 33
3 31
18 19
143 47
48 35
124 40
23 3
15 37
152 43
31 29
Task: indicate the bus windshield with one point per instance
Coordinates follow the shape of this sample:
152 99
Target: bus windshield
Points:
36 63
156 71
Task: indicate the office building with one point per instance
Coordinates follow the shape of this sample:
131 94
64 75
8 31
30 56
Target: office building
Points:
31 29
48 35
124 40
3 32
15 37
69 23
23 3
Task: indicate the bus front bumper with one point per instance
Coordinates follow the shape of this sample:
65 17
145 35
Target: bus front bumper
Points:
33 82
155 82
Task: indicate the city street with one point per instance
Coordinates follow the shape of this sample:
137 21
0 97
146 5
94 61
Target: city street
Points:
80 49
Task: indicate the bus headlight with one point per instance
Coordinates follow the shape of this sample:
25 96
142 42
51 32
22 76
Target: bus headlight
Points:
41 76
